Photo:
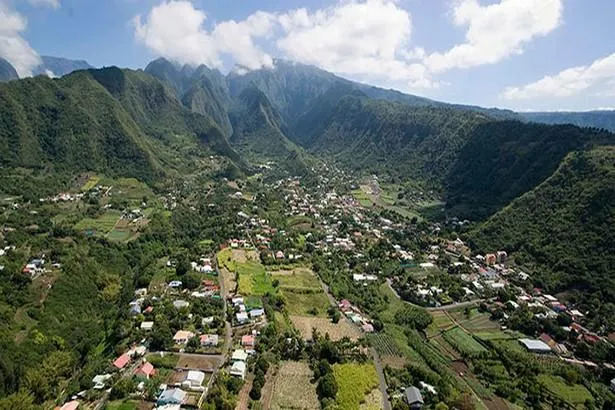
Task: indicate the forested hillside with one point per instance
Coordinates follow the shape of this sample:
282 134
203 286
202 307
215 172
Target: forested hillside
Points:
502 160
110 120
564 226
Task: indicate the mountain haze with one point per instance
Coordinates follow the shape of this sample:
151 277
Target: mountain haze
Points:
7 71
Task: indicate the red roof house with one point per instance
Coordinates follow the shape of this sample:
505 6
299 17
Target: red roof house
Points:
145 371
247 340
122 361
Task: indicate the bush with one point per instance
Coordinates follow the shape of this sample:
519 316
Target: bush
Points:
327 387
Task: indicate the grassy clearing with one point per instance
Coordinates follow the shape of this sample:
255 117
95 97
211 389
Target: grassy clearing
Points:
253 279
306 304
292 388
119 235
90 183
362 197
463 342
441 321
128 188
354 382
575 394
336 331
101 225
168 361
122 405
297 279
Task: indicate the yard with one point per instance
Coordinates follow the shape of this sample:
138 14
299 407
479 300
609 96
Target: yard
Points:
293 389
323 326
354 382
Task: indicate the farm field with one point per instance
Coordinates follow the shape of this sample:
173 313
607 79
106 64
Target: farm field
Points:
252 277
101 225
441 322
475 322
575 394
303 292
355 382
463 342
205 363
128 188
335 330
90 183
292 388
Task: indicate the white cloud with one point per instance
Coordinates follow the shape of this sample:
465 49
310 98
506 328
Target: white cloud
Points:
13 47
597 79
367 40
496 31
50 3
175 29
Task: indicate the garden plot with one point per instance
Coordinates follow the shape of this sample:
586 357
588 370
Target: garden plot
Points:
292 388
355 384
323 325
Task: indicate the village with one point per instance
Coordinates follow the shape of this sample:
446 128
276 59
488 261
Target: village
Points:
412 308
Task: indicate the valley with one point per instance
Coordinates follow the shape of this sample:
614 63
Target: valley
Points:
175 237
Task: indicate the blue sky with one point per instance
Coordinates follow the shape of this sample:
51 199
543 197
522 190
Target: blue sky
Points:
519 54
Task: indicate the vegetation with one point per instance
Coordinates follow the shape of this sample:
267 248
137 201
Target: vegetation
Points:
354 382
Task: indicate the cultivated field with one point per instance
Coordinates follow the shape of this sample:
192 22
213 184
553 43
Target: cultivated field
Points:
463 342
292 388
206 363
90 183
335 330
244 255
441 322
355 382
101 225
303 292
253 279
575 394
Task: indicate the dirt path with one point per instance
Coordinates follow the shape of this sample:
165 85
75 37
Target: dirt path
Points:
244 394
267 392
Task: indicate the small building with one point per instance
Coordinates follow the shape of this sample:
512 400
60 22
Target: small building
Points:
248 341
194 380
100 381
147 325
256 313
209 340
172 396
145 371
238 369
71 405
413 397
367 328
242 318
178 304
491 259
182 337
535 346
122 361
239 355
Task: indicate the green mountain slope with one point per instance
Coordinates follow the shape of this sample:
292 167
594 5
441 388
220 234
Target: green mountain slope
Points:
503 160
564 225
384 137
597 119
110 120
259 132
7 71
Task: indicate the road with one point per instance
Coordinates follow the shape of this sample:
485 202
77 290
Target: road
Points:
382 384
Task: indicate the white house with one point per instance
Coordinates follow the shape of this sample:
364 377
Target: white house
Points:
238 369
194 380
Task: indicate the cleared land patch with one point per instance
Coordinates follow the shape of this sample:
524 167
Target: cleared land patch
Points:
355 382
335 330
292 388
463 342
303 292
101 225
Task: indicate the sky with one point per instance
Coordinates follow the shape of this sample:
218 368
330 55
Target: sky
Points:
518 54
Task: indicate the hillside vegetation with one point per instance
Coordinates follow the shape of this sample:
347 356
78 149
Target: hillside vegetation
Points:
564 226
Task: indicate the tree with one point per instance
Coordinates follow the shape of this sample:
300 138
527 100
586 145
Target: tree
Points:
255 393
183 266
191 281
122 389
327 386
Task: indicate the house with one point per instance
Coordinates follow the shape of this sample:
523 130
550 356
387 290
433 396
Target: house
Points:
256 313
238 369
171 396
239 355
206 321
147 325
122 361
491 259
71 405
501 256
100 381
145 371
194 380
368 328
279 255
413 397
248 341
175 284
182 337
178 304
242 318
535 346
209 340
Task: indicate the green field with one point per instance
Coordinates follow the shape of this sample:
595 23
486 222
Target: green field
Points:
574 394
119 235
253 279
354 382
306 303
441 322
300 279
362 197
90 183
463 342
129 188
102 225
